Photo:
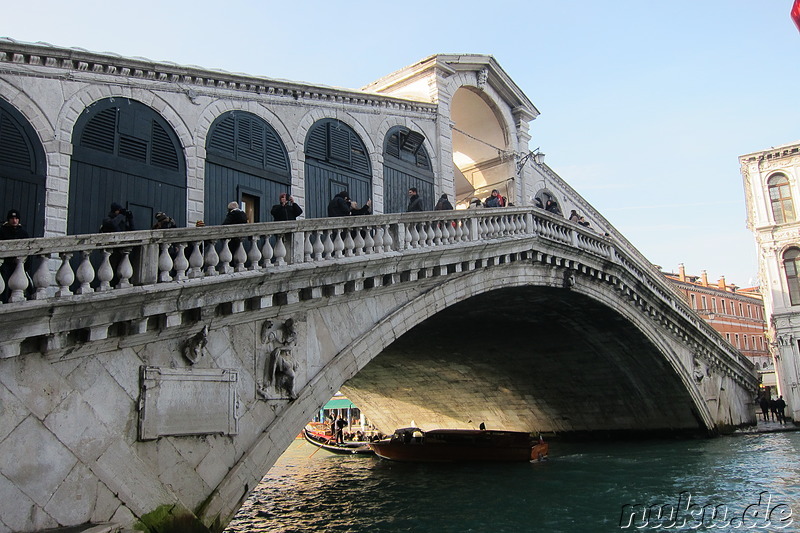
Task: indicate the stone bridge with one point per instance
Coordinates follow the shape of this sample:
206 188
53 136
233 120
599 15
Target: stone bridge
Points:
150 379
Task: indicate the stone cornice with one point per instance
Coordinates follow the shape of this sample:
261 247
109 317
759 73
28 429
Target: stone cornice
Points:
46 56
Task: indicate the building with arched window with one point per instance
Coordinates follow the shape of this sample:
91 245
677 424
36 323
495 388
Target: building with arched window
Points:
771 191
736 313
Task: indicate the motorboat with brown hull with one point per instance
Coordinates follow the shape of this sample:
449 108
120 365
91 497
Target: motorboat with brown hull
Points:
451 445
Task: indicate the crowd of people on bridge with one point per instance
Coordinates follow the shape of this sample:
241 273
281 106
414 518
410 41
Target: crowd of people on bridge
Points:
120 218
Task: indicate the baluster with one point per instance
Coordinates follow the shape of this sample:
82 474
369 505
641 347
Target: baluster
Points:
358 242
64 277
280 251
328 245
388 241
458 233
124 270
500 226
164 263
379 238
211 260
437 234
414 235
240 257
18 281
426 234
41 278
319 248
225 257
2 282
196 260
348 243
369 242
267 252
85 274
308 247
338 244
105 272
181 264
254 255
482 229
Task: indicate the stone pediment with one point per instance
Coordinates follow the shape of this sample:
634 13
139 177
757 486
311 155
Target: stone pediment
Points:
406 81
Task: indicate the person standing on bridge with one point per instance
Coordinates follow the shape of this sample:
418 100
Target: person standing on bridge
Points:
414 201
286 209
10 230
118 219
235 215
495 200
164 221
443 204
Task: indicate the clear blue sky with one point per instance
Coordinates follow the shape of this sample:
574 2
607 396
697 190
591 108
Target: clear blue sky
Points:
645 104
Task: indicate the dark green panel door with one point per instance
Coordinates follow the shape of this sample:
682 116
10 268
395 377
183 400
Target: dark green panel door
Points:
245 159
124 152
406 165
336 160
22 170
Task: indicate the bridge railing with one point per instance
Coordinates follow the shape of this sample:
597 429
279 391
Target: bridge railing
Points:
70 266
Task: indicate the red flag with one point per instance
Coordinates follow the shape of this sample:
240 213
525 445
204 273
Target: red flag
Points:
796 13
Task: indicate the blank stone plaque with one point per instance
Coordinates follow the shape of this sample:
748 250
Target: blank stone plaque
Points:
187 401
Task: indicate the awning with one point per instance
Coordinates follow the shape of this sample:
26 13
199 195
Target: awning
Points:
339 403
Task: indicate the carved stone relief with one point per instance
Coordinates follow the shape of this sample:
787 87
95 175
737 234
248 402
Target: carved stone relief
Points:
483 76
276 363
195 347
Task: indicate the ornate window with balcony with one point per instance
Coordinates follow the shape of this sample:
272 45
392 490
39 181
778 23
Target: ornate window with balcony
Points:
780 197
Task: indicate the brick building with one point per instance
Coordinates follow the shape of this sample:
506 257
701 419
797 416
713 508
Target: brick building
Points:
735 313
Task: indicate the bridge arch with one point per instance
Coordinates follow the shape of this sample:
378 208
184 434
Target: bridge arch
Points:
648 361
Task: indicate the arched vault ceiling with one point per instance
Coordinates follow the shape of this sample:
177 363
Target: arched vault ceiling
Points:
530 358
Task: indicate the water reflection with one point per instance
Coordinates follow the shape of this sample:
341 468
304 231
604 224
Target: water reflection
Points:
584 487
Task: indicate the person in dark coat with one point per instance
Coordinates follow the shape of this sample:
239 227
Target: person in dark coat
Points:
235 215
12 228
340 205
414 201
780 407
118 219
495 200
164 221
764 404
443 204
286 209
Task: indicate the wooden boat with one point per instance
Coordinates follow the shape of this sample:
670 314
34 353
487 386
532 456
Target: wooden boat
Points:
330 445
441 445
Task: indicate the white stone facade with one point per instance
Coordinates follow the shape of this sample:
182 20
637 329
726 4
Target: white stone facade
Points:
776 228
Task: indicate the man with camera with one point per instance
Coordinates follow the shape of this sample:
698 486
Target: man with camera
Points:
286 209
118 219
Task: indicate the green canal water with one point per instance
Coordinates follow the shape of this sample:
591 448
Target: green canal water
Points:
727 484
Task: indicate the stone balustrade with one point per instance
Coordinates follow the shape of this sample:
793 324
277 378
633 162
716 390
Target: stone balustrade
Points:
71 266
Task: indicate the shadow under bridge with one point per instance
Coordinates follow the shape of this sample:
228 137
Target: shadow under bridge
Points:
538 359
